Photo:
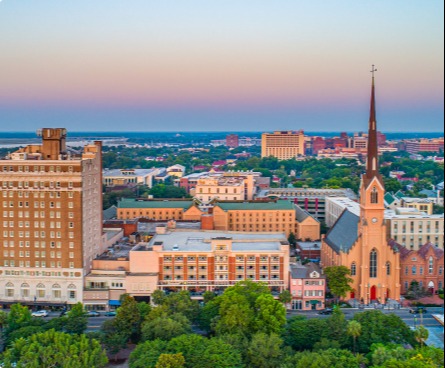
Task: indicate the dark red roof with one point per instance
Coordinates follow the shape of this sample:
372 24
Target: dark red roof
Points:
423 251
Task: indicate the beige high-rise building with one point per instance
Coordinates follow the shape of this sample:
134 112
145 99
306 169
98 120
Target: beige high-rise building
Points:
51 221
283 145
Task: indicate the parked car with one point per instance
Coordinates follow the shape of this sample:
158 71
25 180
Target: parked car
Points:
110 314
93 313
40 313
418 310
326 311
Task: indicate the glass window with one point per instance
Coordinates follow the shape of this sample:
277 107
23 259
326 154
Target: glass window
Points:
373 264
353 269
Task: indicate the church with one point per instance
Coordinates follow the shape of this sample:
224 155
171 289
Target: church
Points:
360 242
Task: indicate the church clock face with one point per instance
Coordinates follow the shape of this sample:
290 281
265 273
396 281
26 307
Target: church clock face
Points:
374 220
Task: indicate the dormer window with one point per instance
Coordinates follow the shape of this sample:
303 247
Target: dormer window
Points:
315 275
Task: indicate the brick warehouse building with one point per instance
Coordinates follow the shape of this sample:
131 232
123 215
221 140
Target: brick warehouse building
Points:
51 221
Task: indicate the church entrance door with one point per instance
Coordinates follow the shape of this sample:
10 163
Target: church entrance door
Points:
373 293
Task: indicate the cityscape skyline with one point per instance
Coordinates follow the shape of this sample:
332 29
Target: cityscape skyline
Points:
256 65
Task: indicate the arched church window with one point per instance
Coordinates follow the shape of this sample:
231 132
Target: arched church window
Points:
353 269
373 264
374 196
430 265
388 269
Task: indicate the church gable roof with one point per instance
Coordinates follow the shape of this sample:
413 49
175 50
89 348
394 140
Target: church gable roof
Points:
404 252
423 251
344 234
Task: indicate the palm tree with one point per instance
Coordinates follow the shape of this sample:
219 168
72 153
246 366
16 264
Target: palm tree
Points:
354 330
421 334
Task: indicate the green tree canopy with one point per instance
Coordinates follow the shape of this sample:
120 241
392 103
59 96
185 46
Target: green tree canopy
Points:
53 349
170 361
77 320
265 351
339 280
378 327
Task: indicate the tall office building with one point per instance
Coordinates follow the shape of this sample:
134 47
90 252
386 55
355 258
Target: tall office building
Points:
283 145
51 220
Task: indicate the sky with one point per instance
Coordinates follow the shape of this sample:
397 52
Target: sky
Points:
241 65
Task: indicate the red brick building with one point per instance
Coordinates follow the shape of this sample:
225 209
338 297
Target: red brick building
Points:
232 141
424 266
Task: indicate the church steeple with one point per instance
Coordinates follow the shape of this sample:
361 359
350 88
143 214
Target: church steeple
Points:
372 166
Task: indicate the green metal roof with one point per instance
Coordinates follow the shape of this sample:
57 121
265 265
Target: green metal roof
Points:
389 198
256 206
135 203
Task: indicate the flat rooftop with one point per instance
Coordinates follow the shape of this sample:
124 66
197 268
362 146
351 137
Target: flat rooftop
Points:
256 205
148 203
200 241
128 173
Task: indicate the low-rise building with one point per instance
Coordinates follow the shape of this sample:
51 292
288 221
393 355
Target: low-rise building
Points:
307 287
407 226
257 216
309 250
420 204
196 261
424 266
126 177
176 170
227 188
309 199
157 210
307 227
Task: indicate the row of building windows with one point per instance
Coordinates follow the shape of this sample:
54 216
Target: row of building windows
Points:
36 224
40 292
222 277
37 244
35 195
36 184
38 264
19 204
35 254
37 168
37 234
36 214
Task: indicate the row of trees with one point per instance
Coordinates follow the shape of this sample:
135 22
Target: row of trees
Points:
243 327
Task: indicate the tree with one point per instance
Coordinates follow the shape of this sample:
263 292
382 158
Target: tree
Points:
264 351
326 344
270 314
77 320
354 330
166 328
147 354
292 239
323 359
219 354
3 320
112 338
382 328
55 349
421 334
302 333
336 327
158 297
128 318
285 297
339 280
18 316
170 361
